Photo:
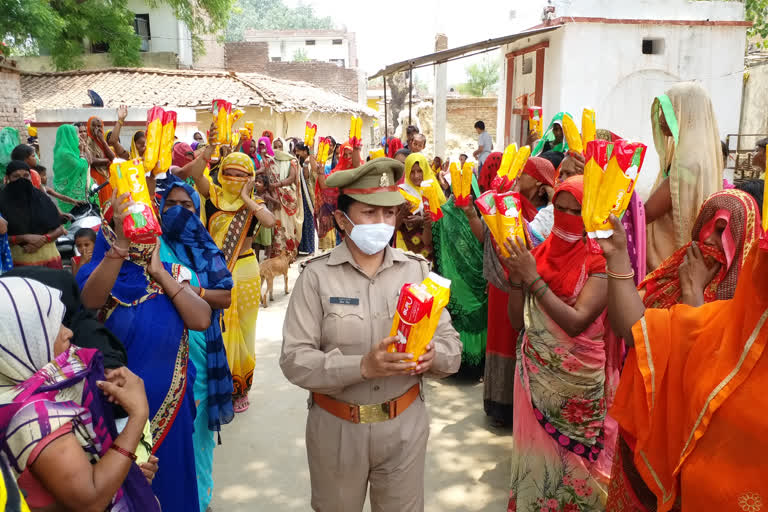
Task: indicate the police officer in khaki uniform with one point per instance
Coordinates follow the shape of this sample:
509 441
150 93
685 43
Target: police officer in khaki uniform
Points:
367 421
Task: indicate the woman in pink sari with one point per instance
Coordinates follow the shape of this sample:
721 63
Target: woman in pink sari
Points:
561 389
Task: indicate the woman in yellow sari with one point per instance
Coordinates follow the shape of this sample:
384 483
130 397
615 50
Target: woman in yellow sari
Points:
414 232
232 217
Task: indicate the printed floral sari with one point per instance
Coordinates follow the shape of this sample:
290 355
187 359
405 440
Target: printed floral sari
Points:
562 391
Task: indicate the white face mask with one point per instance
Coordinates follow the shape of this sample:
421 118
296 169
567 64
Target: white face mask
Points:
371 238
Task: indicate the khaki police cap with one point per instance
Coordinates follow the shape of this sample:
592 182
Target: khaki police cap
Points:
374 183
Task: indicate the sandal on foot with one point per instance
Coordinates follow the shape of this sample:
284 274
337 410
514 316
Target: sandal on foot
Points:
241 404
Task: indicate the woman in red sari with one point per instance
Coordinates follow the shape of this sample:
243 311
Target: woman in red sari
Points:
326 197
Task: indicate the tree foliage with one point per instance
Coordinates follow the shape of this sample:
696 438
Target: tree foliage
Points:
482 78
272 15
61 27
300 55
757 13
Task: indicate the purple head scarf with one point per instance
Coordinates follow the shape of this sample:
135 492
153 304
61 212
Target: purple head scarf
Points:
267 142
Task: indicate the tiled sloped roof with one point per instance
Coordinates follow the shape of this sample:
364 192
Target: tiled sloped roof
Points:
301 95
144 87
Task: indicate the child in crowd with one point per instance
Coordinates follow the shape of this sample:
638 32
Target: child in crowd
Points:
263 239
85 241
43 172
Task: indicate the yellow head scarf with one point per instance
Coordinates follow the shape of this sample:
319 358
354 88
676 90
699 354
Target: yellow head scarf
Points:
427 173
134 150
227 197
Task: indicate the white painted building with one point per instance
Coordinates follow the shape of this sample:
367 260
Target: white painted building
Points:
616 57
48 121
334 46
161 31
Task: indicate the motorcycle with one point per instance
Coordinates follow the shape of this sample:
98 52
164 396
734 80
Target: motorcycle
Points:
85 215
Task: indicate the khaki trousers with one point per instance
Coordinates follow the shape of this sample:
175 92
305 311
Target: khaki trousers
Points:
345 458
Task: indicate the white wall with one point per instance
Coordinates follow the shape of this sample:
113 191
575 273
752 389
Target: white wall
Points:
323 50
621 83
652 9
602 66
186 125
168 34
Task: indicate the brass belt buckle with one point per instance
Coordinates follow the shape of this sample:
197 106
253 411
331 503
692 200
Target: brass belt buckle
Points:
375 413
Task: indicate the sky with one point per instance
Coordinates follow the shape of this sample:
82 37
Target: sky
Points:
396 30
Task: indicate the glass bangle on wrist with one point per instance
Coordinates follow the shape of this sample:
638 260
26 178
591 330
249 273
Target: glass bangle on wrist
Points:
123 451
624 277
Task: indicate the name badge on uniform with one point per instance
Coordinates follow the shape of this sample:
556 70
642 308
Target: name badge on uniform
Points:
345 301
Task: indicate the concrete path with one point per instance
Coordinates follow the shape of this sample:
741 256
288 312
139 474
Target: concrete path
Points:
261 465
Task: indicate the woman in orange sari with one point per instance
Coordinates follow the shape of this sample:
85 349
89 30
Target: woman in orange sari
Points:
702 271
326 197
694 423
101 158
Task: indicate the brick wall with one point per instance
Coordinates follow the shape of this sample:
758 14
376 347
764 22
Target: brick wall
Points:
464 112
253 57
10 99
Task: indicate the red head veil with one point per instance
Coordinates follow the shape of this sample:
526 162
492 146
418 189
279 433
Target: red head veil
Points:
563 260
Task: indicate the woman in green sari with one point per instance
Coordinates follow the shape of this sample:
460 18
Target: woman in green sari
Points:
70 171
9 139
459 257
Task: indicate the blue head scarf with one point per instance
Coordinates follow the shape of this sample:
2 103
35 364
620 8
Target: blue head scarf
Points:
186 236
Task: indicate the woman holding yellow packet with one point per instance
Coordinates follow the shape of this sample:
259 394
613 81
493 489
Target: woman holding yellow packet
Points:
561 398
414 232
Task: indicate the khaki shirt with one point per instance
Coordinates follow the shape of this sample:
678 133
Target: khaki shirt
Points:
337 314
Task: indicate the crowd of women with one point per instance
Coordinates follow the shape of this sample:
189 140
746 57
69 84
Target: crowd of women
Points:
603 365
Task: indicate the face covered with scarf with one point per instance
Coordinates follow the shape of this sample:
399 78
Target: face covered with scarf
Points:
537 175
727 227
236 171
563 260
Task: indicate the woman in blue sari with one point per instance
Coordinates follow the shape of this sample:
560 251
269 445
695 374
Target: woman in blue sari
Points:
186 241
150 306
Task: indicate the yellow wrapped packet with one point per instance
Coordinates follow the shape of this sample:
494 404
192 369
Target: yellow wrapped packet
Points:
521 158
506 160
510 222
379 153
418 314
572 135
486 203
166 143
455 179
616 187
414 202
249 127
431 197
140 225
597 154
461 183
588 126
154 135
535 121
221 110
